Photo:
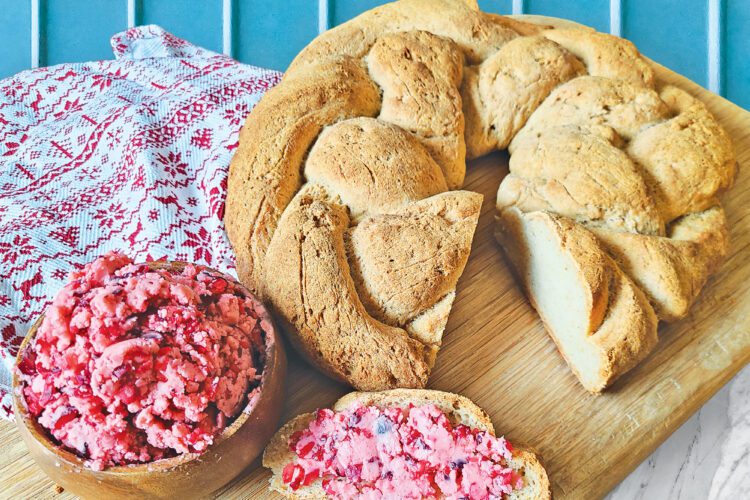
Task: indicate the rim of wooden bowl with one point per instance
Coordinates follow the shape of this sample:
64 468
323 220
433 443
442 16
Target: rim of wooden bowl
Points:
40 433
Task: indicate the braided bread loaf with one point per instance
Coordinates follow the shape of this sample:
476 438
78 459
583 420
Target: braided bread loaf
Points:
343 210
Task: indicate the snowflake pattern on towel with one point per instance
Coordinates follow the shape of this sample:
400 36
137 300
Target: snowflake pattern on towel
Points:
129 154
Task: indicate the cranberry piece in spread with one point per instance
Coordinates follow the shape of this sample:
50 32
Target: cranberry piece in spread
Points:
133 364
412 452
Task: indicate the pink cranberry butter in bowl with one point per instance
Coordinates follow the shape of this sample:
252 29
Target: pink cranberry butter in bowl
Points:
149 380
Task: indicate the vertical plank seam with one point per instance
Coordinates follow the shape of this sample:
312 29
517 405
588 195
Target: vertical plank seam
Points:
132 12
324 19
517 7
226 27
615 17
35 34
715 52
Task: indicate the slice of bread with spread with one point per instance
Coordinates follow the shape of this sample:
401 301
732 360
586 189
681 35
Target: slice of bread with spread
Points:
405 415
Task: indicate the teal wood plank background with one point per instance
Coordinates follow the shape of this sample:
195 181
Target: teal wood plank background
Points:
270 34
200 22
736 42
343 10
594 13
15 42
713 50
497 6
673 32
89 39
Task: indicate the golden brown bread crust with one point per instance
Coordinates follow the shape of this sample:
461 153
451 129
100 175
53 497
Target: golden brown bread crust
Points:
688 159
580 175
373 121
420 71
372 166
672 270
477 34
612 108
457 408
265 171
311 286
405 261
605 55
639 167
501 93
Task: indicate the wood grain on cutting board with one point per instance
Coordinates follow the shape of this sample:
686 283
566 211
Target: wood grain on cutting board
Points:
496 352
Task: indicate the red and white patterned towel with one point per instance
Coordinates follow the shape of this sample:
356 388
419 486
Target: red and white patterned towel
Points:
128 154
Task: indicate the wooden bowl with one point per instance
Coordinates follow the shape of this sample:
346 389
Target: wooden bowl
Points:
188 475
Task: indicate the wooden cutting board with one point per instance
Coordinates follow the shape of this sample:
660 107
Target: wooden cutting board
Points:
496 352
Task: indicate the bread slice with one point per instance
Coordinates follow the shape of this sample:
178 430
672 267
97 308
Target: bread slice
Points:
600 320
406 261
457 408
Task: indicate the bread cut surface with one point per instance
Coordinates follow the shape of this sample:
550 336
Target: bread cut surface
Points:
344 204
458 409
602 323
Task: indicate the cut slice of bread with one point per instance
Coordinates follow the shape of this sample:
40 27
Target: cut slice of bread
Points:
600 320
458 409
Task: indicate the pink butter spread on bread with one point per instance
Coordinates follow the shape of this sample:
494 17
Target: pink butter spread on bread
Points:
412 452
133 364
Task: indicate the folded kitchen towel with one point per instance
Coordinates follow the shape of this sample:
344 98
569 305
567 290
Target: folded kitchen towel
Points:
129 154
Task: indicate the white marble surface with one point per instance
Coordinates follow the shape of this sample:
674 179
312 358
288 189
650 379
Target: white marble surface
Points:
707 458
